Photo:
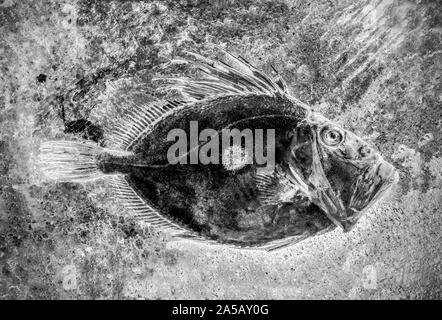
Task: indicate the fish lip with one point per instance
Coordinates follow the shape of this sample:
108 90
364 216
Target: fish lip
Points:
352 213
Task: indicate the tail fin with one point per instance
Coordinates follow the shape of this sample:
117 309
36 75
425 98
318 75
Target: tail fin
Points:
70 160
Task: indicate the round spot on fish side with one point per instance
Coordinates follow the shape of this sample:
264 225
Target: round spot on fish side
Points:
235 158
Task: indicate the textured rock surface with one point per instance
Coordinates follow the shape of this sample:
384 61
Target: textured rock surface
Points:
373 66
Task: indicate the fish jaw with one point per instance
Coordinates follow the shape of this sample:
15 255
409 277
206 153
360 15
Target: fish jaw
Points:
370 187
375 181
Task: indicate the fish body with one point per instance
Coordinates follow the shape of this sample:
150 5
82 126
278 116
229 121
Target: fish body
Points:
214 188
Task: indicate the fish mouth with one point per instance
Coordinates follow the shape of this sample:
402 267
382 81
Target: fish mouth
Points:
371 185
374 182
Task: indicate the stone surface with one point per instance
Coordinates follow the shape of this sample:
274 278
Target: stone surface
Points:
373 66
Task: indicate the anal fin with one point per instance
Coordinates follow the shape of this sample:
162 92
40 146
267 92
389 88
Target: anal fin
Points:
141 210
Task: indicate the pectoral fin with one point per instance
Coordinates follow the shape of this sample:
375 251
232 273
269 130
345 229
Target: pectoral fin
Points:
277 188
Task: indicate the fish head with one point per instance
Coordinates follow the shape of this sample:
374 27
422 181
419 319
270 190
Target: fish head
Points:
344 175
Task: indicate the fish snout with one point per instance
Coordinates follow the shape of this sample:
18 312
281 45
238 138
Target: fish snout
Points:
371 186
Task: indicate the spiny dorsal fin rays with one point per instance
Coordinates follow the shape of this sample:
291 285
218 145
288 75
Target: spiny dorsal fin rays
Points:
234 76
231 78
254 72
282 84
241 69
194 90
280 81
236 70
244 67
247 84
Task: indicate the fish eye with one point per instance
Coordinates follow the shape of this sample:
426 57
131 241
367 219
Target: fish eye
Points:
331 137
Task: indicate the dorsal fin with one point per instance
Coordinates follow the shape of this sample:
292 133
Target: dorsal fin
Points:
280 81
233 76
139 122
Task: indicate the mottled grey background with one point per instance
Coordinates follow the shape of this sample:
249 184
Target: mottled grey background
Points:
373 66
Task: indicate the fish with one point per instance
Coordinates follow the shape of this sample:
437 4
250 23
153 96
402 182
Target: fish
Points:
168 167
